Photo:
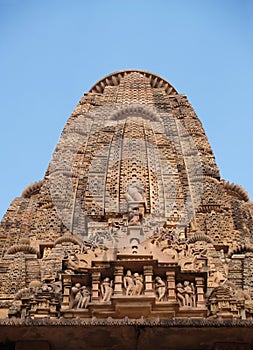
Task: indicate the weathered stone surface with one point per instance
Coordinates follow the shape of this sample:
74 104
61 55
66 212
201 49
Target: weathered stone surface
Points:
31 345
131 219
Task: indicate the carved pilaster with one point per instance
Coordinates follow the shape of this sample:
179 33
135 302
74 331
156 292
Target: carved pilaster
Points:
118 280
95 285
200 291
66 292
235 270
171 285
148 278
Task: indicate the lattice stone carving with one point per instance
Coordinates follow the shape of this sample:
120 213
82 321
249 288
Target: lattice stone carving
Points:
132 186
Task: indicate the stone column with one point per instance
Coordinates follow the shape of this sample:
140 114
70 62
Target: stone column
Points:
118 280
95 285
148 278
171 285
66 281
200 292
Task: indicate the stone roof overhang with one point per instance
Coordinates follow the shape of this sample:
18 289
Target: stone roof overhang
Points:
125 334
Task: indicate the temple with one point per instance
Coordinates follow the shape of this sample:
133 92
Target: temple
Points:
132 240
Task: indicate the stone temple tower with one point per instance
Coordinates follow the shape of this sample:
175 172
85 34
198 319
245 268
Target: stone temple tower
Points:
132 239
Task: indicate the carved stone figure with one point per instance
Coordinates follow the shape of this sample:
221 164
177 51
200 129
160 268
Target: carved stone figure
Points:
129 283
134 217
46 252
75 292
172 253
71 264
138 284
85 298
186 294
168 234
135 192
106 289
160 288
193 296
217 277
180 294
81 296
133 284
14 310
198 249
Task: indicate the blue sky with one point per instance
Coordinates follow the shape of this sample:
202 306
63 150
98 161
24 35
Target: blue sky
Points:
53 51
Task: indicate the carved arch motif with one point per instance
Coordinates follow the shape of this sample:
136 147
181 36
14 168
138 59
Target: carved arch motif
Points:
115 78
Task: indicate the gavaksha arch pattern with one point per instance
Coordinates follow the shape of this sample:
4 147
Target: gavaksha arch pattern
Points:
132 218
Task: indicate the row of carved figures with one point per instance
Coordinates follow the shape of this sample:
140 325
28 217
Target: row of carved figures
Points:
134 286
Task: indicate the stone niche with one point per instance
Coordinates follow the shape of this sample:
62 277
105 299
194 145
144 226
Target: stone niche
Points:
133 286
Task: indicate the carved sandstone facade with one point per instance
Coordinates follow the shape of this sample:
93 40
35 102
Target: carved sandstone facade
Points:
131 219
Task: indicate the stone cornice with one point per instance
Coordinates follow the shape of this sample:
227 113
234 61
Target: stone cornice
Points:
196 323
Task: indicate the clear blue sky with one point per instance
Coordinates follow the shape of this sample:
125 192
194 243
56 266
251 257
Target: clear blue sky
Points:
53 51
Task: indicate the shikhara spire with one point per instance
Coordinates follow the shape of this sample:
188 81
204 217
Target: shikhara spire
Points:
131 219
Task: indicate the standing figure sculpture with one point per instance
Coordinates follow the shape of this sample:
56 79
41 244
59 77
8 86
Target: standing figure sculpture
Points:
193 296
133 284
106 289
75 294
129 283
81 296
188 292
138 284
160 288
83 302
180 294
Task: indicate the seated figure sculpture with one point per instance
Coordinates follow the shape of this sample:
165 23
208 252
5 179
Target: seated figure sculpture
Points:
135 192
